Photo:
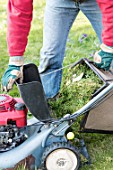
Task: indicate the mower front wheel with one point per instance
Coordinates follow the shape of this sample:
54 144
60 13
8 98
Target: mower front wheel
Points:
61 156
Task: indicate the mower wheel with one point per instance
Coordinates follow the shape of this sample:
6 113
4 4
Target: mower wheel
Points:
61 156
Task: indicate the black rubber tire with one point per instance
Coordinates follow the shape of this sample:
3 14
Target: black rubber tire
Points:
57 146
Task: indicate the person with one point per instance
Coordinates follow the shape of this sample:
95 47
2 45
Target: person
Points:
103 58
59 17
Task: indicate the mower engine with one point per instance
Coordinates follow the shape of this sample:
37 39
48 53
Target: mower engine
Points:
13 113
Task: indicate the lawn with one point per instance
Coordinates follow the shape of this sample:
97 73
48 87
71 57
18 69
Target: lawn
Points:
73 95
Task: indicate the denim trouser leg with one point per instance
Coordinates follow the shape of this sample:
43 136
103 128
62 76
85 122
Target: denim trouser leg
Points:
58 19
92 12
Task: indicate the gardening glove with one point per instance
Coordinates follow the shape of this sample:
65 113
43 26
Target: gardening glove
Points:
13 72
103 58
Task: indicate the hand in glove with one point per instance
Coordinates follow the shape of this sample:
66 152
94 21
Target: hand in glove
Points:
104 57
13 72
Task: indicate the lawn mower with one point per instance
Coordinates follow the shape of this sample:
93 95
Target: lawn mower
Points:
41 142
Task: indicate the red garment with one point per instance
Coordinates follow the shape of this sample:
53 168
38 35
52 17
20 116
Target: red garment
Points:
106 7
19 22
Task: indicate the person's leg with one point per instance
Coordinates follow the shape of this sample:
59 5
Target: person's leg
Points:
91 10
58 19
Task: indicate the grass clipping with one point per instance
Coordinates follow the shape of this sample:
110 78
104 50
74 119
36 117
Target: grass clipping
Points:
78 85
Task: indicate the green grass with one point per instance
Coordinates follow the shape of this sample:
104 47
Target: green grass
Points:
73 95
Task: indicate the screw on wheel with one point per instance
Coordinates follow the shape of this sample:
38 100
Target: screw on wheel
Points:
61 156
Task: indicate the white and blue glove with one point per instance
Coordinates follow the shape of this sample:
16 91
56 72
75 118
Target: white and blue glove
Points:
103 58
12 73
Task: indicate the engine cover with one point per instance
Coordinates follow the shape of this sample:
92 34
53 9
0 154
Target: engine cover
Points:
12 111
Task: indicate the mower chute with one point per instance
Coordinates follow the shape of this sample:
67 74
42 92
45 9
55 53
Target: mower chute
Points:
32 93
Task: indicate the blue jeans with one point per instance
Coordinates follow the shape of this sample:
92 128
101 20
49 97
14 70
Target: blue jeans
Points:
58 19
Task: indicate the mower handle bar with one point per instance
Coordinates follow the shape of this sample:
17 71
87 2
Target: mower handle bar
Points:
89 105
